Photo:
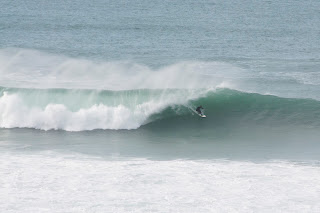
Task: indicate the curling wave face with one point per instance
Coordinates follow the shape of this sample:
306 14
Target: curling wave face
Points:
78 110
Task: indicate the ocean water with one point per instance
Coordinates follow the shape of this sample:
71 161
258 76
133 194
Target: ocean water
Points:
97 100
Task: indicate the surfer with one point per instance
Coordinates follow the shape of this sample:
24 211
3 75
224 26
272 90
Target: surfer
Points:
199 110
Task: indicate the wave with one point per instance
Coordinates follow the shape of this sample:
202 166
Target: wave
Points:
80 110
127 95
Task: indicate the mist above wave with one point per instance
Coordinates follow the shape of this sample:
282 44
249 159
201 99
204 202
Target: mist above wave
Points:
36 69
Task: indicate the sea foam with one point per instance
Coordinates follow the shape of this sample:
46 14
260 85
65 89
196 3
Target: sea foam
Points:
52 182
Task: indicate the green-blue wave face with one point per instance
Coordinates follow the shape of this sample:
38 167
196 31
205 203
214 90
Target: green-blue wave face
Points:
77 110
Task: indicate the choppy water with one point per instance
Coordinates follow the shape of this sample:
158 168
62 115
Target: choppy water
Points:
96 104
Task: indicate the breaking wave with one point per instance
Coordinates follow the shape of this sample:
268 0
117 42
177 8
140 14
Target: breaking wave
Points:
79 110
45 91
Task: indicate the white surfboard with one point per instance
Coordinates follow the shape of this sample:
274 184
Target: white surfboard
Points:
201 115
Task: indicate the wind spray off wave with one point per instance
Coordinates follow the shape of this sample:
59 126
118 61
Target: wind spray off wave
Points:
35 69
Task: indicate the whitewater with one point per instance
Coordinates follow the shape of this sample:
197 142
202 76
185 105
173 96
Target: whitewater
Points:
97 104
142 185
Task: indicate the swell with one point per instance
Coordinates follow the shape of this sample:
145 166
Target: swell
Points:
79 110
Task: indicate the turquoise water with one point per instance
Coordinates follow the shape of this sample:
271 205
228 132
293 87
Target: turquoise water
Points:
97 99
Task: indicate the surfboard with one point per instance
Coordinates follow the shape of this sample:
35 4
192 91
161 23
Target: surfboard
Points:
201 115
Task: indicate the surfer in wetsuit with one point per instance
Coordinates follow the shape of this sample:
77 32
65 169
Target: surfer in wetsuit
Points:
199 109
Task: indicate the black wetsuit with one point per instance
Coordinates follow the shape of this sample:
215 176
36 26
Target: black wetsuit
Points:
199 110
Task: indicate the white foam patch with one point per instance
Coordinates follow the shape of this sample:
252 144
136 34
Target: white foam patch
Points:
50 182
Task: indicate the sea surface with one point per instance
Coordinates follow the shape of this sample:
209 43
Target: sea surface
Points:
97 104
